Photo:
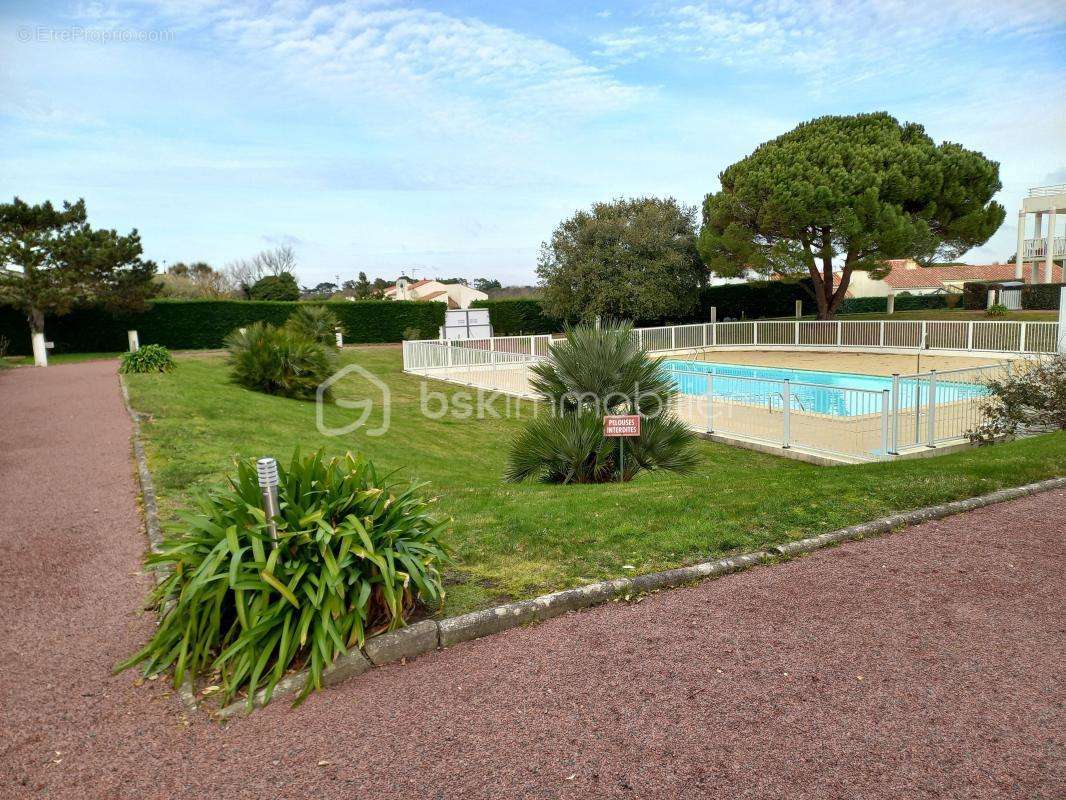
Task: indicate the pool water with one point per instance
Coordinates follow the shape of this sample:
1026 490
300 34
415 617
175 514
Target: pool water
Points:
842 394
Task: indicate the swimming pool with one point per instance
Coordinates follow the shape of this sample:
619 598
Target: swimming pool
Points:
842 394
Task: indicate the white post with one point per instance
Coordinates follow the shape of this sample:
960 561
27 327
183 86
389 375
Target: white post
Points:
886 396
925 335
135 344
673 337
704 334
890 305
532 346
969 335
710 402
786 400
1049 257
714 334
895 413
755 333
714 314
40 350
797 336
1061 332
1020 257
839 328
799 309
1021 339
931 411
882 332
340 338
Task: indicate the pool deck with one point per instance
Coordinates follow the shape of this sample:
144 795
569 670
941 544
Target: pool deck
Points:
855 363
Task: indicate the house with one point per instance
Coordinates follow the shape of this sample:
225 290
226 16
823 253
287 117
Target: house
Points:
906 275
455 295
1038 253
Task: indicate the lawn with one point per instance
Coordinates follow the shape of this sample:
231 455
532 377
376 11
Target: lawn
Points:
515 541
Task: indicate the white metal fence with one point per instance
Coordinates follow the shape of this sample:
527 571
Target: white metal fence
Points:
897 415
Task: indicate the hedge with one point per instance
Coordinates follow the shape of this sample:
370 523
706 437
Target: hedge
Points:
754 300
202 324
1042 296
975 295
517 317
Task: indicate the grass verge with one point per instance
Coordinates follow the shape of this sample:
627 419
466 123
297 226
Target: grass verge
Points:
516 541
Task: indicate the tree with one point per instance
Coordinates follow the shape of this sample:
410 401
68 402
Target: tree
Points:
631 259
243 273
845 193
55 261
323 290
275 287
487 284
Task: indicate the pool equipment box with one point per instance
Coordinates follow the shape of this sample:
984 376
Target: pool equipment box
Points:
466 323
621 425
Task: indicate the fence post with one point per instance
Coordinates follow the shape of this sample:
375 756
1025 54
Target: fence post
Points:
786 400
710 403
755 334
797 335
885 400
673 337
492 357
917 409
705 334
931 413
882 334
839 327
640 337
450 356
895 414
1021 342
714 334
969 335
923 341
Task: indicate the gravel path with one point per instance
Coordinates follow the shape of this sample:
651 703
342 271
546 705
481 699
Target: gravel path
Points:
924 664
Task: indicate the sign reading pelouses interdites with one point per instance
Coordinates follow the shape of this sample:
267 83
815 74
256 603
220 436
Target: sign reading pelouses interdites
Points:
621 425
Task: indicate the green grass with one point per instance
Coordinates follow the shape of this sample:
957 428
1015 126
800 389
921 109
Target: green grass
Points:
519 541
58 358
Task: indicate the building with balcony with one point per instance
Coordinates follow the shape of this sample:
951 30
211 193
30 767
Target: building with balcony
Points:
1043 242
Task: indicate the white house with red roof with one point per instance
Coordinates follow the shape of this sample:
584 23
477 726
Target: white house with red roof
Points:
907 275
454 295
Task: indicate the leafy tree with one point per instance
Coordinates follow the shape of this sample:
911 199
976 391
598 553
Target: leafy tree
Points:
275 287
487 284
55 261
324 289
845 193
634 259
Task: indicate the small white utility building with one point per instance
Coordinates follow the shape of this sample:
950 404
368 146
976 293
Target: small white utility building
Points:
1038 253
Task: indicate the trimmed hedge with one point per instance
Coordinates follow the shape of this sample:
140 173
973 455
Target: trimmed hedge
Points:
919 302
863 305
204 324
975 295
517 317
754 300
1042 296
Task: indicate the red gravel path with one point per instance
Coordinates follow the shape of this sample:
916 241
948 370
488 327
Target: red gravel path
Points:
925 664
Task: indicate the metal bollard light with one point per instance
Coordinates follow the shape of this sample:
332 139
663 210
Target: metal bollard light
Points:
267 470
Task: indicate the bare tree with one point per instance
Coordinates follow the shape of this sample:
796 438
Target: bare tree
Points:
242 273
276 261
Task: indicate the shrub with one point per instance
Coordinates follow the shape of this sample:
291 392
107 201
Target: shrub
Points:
411 334
354 554
1031 399
275 287
314 322
996 311
589 374
517 317
278 361
1042 296
975 295
149 358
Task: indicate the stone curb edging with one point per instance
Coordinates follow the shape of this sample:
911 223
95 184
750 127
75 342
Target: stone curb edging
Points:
428 635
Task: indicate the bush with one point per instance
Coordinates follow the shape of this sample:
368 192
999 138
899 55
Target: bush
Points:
278 361
517 317
997 311
863 305
754 300
975 295
411 334
197 324
1042 296
920 302
589 374
149 358
314 322
1031 399
275 287
354 554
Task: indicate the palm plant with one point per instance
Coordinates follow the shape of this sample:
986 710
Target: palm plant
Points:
593 372
278 361
354 553
314 322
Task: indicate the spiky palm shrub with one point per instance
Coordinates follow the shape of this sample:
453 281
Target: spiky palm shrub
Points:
354 554
590 374
278 361
314 322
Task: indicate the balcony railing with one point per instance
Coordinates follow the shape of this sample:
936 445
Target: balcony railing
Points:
1046 191
1037 248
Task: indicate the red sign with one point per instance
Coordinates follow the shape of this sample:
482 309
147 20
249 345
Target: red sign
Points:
621 425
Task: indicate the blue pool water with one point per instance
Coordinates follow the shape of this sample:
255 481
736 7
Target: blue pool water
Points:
820 392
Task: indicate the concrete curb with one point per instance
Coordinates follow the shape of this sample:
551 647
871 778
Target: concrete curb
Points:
428 635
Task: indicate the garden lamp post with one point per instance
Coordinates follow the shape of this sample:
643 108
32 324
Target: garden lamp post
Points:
267 470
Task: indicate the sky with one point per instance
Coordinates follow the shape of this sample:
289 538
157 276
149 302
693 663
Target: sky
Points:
450 138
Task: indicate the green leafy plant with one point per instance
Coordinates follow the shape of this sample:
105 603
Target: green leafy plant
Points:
278 361
591 373
354 554
149 358
314 322
997 310
411 334
1030 399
